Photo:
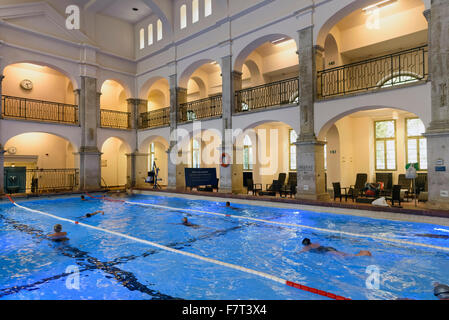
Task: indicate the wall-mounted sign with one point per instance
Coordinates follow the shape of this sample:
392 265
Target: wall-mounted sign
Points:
440 162
440 169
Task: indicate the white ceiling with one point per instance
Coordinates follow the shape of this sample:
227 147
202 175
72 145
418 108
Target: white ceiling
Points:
121 9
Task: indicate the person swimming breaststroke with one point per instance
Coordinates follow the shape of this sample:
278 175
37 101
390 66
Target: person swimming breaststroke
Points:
58 236
186 223
317 248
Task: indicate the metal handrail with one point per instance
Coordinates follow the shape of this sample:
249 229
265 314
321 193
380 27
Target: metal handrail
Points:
39 110
115 119
401 67
271 94
156 118
201 109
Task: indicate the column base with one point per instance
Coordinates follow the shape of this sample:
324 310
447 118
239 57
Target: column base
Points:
313 197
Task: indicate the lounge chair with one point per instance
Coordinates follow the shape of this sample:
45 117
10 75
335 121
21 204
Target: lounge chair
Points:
253 187
275 187
290 187
387 179
405 184
337 192
355 190
395 195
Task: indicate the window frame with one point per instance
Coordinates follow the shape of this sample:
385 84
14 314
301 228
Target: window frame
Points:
290 145
150 34
160 30
249 149
183 17
385 147
152 154
192 148
208 8
195 11
418 147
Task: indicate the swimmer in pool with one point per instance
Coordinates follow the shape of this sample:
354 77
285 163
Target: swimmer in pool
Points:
90 215
441 291
317 248
186 223
58 235
83 198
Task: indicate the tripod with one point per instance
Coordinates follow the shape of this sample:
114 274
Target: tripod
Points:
156 185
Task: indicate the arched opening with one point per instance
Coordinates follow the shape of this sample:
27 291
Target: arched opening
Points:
114 106
373 43
203 97
114 163
38 162
269 70
159 95
378 144
267 150
38 92
156 148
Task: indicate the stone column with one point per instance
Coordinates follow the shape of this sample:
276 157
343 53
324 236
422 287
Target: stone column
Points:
226 139
2 170
438 131
137 164
1 97
136 107
89 155
310 151
99 109
175 170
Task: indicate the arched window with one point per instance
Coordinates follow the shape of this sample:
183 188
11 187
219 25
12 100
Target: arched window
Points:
416 143
396 80
150 34
247 154
183 16
152 156
292 142
142 38
207 8
159 30
196 154
195 11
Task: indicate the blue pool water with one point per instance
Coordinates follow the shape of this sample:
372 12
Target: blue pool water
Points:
113 267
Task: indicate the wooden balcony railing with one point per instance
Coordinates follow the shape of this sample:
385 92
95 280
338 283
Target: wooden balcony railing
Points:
38 110
156 118
115 119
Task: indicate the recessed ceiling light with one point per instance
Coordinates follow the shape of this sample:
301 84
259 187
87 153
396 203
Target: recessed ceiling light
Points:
379 5
135 9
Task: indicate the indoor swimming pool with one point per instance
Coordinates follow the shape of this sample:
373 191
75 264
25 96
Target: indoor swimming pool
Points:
139 249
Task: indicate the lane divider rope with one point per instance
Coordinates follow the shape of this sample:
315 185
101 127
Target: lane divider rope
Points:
280 224
188 254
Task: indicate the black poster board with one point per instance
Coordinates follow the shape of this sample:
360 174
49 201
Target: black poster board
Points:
200 177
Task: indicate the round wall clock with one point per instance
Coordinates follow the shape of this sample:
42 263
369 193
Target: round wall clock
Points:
26 84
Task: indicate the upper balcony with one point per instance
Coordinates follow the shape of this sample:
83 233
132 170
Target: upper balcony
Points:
387 71
39 110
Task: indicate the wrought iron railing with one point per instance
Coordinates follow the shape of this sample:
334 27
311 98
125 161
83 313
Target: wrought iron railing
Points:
52 180
386 71
38 110
201 109
268 95
115 119
156 118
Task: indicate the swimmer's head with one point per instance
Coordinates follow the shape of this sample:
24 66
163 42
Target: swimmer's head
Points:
228 204
88 215
306 242
57 228
441 291
83 198
184 219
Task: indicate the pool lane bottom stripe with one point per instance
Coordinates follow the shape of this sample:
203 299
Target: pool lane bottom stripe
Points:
191 255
